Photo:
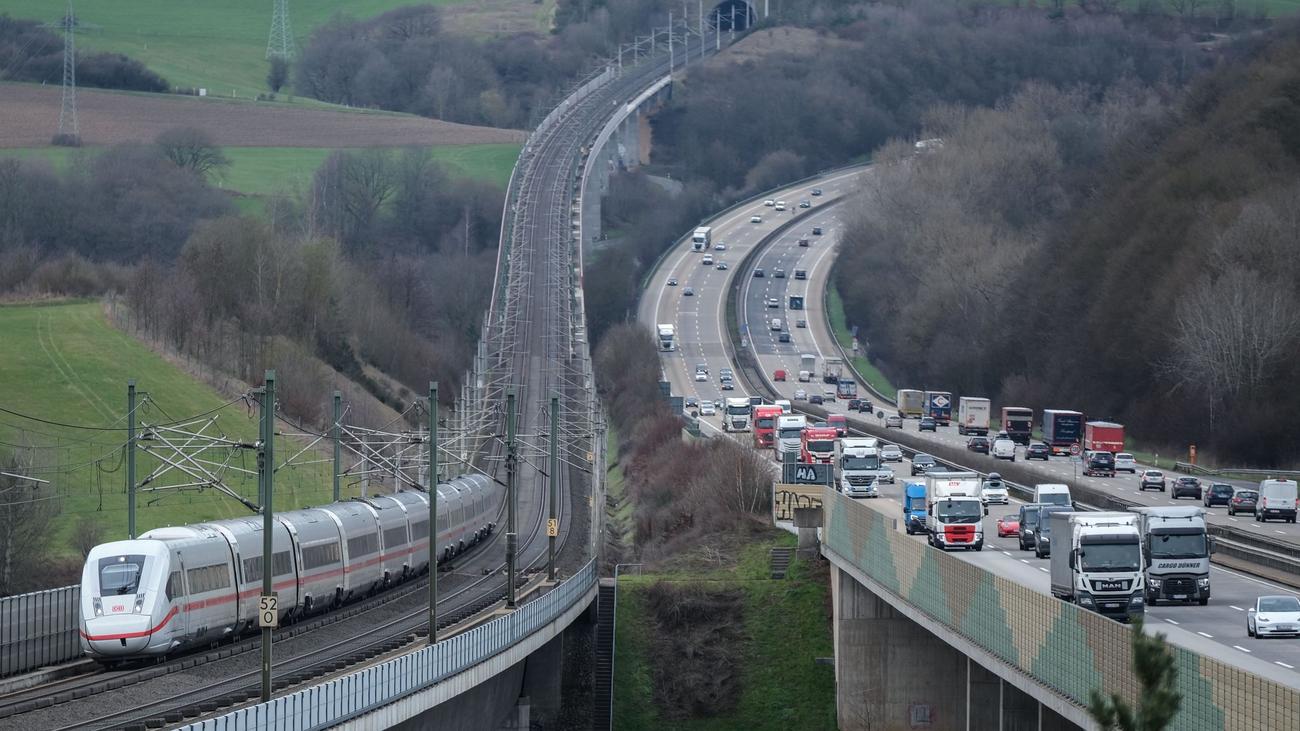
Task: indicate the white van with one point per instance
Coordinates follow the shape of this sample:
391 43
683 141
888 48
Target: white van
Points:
776 323
805 377
1052 494
1003 449
784 404
1277 500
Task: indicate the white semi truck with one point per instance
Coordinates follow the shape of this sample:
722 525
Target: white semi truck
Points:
701 239
973 415
860 466
1176 552
789 436
1097 562
737 415
666 334
954 513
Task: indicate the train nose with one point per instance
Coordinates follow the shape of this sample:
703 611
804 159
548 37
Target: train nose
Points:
126 634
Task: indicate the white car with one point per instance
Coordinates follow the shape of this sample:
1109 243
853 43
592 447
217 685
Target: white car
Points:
1274 616
701 376
755 219
773 302
1124 462
719 246
769 202
994 491
885 474
1003 449
707 260
891 453
800 395
706 408
780 205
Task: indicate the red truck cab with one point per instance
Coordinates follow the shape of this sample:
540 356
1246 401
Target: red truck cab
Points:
765 425
818 445
840 424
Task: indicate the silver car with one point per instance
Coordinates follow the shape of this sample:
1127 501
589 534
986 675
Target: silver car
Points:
801 395
891 453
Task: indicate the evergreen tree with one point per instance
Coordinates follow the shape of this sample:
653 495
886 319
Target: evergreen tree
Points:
1153 663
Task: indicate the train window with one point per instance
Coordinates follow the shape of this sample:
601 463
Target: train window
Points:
395 537
174 586
322 555
120 574
363 545
209 578
420 530
283 564
443 520
252 569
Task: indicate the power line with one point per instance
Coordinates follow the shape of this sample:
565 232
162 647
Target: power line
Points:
87 427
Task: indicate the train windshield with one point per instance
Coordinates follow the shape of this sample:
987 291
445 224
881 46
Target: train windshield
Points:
120 574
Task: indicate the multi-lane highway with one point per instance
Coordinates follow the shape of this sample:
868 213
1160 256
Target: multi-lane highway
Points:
1217 629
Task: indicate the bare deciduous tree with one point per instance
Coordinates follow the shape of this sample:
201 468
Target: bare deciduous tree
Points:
191 149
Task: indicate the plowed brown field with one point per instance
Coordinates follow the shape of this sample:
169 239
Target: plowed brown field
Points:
29 116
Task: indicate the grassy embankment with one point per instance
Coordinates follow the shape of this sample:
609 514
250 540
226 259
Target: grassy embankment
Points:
785 630
268 170
839 326
217 46
64 363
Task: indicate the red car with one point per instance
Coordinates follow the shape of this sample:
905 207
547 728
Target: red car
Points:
1009 526
778 374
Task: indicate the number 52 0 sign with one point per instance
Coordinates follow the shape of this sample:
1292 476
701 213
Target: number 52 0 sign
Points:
267 612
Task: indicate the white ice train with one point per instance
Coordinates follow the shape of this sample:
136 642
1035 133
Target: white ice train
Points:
178 587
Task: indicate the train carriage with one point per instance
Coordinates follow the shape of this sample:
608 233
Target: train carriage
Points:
191 585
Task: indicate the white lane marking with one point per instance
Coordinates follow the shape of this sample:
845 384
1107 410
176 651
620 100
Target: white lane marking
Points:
1239 609
1043 569
1170 621
1239 647
1205 634
1008 553
1288 667
1024 561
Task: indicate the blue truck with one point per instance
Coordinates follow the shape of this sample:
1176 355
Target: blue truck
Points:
938 404
914 508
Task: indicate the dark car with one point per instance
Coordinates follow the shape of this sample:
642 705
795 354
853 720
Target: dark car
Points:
817 230
758 274
1028 522
865 406
1100 464
1187 487
1038 450
816 398
1043 532
1219 493
853 404
783 338
928 424
922 462
803 242
1243 500
978 444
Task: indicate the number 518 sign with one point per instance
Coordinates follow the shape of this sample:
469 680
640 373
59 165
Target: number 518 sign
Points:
267 612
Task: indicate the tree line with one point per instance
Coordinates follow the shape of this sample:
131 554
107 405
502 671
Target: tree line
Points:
1131 255
380 271
31 52
405 60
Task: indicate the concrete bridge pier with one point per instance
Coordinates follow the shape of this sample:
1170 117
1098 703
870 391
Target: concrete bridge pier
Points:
892 673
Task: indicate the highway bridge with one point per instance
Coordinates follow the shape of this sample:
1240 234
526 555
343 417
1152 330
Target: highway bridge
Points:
932 639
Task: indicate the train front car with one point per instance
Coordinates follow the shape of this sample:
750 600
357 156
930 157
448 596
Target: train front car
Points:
125 611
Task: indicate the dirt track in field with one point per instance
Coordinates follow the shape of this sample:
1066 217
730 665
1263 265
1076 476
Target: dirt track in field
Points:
29 117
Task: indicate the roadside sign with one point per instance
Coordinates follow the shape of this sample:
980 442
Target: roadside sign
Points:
1075 449
552 527
268 614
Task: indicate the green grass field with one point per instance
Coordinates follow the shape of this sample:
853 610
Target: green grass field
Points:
218 46
267 170
64 363
785 620
835 312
